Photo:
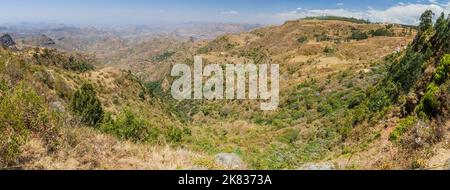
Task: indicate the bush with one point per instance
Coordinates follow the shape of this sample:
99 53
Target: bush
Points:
403 127
381 32
356 99
130 127
430 103
408 70
164 56
77 65
442 70
358 35
23 113
86 105
15 70
53 57
289 136
322 38
378 100
347 19
62 89
302 39
154 88
328 50
174 134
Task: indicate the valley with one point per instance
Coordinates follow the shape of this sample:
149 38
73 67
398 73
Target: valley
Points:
353 95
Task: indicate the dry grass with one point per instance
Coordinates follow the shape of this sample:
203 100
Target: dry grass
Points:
84 148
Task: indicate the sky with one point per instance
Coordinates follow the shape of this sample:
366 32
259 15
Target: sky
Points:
236 11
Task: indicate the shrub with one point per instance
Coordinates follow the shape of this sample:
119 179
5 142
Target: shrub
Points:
128 126
329 50
289 136
356 99
430 103
204 50
85 104
347 19
358 35
381 32
154 88
403 126
3 86
77 65
23 113
141 96
46 78
302 39
53 57
174 134
378 100
62 89
408 70
15 70
164 56
442 70
323 37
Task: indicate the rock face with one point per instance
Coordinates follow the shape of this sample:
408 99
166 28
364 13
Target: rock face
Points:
43 40
7 41
230 161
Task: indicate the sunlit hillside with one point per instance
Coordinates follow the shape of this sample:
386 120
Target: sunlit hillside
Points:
354 95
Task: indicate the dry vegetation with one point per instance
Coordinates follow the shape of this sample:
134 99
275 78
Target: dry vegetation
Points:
343 101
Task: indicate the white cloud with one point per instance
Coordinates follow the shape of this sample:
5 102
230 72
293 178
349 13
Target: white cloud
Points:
340 4
400 13
318 12
406 14
229 12
432 1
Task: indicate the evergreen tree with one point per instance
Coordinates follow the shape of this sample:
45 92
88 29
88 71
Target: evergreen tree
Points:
440 26
426 21
86 105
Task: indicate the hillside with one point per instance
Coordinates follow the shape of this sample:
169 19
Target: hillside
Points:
42 130
350 91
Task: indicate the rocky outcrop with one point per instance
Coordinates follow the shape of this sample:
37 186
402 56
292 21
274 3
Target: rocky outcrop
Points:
7 41
43 41
230 161
318 166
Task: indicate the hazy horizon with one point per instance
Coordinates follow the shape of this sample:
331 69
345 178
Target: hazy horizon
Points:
140 12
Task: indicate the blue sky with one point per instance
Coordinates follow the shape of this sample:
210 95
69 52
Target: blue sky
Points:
240 11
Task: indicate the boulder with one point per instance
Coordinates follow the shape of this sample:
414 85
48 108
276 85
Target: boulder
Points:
318 166
230 161
57 106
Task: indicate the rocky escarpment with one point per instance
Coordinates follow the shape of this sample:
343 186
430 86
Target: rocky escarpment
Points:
42 41
7 41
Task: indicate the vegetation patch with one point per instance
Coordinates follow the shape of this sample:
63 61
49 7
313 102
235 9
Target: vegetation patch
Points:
85 104
403 127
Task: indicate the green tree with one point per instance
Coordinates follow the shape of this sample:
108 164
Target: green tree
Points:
86 105
128 126
426 21
440 22
442 70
